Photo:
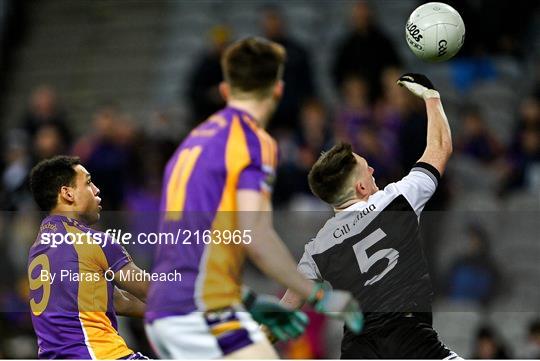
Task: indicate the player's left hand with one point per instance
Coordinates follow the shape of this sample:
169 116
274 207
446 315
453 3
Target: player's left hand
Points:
419 85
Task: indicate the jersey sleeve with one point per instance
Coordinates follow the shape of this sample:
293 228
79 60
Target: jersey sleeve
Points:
259 174
252 178
307 265
116 255
419 185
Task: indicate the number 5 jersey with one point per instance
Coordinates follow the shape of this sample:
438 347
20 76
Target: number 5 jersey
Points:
373 250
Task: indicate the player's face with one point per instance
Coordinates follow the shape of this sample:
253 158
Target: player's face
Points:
86 196
366 181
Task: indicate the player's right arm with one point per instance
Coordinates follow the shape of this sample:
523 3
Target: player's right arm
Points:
292 300
439 138
266 250
270 255
127 276
131 279
125 304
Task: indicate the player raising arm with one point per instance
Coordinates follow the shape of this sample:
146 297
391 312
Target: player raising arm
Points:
372 247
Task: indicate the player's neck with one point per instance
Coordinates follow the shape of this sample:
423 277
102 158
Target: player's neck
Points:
258 109
343 206
64 211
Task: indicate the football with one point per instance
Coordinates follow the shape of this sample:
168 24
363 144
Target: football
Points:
435 32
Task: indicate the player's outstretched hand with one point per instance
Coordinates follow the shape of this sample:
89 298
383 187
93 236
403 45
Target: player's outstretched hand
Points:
280 323
419 85
337 304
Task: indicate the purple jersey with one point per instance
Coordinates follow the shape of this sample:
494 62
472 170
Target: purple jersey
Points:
226 153
71 301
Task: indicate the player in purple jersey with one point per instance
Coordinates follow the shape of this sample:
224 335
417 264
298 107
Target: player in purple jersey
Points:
73 295
219 181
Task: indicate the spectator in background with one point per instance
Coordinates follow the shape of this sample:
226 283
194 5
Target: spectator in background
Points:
314 136
365 51
203 92
474 276
17 163
524 154
489 346
375 138
298 76
354 112
532 349
48 142
107 154
476 139
300 151
44 110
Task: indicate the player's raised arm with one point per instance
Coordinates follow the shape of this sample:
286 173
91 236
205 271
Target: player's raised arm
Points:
439 138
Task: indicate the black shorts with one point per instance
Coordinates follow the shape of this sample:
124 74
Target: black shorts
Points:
407 337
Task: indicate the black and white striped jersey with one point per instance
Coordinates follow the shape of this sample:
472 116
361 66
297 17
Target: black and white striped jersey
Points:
372 249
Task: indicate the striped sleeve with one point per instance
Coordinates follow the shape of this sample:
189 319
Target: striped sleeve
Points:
419 185
260 172
307 265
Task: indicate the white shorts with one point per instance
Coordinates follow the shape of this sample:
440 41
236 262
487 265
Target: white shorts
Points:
203 335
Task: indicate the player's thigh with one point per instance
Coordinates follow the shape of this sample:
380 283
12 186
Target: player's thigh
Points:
260 350
203 335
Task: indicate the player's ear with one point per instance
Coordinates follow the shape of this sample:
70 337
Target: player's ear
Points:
225 90
67 194
361 190
279 87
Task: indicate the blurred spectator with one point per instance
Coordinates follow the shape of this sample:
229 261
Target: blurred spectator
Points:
475 276
524 154
44 110
391 113
300 151
375 139
476 139
48 142
314 136
364 51
298 75
354 111
107 154
203 87
489 346
532 349
17 164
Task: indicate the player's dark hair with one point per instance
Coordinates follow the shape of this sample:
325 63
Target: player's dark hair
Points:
49 176
253 65
331 171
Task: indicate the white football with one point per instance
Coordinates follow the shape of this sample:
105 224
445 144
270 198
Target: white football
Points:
435 32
